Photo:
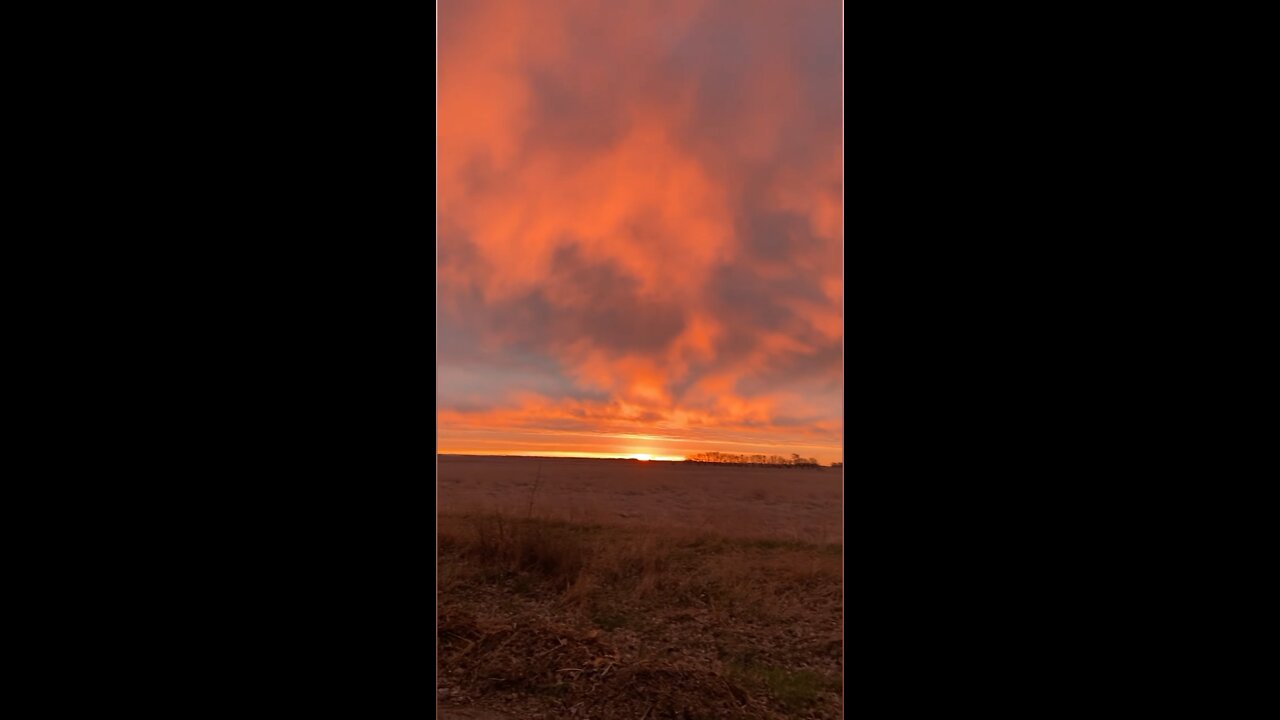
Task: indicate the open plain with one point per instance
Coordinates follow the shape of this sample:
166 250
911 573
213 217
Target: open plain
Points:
780 503
582 588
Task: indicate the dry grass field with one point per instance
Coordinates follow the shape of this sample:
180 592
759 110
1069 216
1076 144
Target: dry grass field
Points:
791 504
622 589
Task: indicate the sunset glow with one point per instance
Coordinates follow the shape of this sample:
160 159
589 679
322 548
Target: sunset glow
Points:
640 228
575 454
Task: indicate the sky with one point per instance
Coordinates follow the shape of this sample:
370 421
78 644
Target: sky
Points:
639 224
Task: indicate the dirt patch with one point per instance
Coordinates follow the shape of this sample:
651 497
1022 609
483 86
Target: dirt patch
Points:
461 713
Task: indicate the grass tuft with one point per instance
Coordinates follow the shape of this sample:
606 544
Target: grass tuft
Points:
530 546
794 690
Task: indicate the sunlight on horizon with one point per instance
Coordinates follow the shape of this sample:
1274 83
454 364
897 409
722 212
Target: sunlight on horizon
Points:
557 454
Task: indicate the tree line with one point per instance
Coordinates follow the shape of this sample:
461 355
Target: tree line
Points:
767 460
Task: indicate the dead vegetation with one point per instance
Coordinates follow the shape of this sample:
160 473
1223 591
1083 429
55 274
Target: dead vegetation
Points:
725 500
549 619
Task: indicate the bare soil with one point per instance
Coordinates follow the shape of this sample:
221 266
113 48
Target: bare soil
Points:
457 713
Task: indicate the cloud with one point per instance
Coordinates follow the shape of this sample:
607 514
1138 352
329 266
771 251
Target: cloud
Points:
639 218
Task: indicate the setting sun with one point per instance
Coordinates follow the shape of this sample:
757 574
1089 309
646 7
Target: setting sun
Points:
640 456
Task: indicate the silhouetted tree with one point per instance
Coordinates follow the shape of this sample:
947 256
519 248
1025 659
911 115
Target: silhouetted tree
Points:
753 459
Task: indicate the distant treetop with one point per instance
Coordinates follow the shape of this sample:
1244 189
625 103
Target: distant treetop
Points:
765 460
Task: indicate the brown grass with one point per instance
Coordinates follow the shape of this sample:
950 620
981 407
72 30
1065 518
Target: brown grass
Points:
729 501
555 619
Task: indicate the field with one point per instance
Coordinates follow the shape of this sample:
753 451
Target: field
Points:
623 589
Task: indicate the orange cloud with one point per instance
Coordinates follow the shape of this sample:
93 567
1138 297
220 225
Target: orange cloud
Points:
639 221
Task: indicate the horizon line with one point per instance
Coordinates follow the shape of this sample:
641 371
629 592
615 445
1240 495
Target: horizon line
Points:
557 455
567 455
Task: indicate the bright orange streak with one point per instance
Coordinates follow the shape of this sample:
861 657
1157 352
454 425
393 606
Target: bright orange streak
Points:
551 453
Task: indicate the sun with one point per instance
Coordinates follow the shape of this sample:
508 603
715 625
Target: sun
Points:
642 456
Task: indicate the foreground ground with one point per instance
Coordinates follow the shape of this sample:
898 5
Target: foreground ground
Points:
546 617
